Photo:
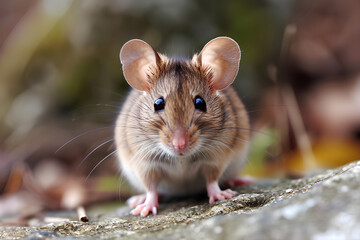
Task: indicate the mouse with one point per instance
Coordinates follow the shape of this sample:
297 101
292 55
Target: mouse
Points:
182 129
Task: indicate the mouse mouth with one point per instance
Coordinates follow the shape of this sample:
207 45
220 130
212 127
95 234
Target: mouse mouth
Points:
180 152
173 152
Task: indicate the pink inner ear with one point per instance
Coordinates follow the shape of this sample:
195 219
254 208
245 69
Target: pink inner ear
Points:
137 57
222 54
135 75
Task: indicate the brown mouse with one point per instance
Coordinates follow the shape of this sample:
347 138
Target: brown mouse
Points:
182 129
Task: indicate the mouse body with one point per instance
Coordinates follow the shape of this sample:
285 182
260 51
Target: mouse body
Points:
182 129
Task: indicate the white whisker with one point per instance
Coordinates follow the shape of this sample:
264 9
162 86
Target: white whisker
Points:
100 163
102 144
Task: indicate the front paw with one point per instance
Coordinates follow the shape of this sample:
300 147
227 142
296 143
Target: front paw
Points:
215 193
221 195
136 200
144 209
150 205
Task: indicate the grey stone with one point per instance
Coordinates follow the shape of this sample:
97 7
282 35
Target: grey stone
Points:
321 206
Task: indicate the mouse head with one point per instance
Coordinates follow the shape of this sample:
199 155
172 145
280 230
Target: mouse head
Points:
181 104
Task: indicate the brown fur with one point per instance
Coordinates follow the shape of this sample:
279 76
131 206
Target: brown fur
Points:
223 129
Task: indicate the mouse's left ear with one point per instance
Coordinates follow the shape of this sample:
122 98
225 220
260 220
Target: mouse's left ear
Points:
222 55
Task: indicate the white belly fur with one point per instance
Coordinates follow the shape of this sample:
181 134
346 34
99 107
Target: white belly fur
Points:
183 178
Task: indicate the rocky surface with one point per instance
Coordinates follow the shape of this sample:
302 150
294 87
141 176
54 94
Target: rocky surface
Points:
322 206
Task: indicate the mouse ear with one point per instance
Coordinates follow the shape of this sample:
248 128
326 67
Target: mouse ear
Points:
222 55
137 57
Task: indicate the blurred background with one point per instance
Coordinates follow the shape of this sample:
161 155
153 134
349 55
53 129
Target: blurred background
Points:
61 87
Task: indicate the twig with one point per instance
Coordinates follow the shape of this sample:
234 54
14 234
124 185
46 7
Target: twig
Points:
82 215
55 220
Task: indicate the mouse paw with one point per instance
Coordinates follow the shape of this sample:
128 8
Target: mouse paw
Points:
150 205
221 195
144 209
215 193
234 182
136 200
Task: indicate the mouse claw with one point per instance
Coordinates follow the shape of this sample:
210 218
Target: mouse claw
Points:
144 210
221 195
154 210
215 193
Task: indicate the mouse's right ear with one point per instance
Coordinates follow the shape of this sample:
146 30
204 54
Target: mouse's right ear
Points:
222 55
137 57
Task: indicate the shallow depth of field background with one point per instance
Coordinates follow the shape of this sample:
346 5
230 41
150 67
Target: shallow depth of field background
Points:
61 81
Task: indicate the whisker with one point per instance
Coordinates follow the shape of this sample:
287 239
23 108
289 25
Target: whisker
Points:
100 163
239 128
112 92
224 144
199 118
90 106
102 144
95 105
266 151
263 107
82 134
93 114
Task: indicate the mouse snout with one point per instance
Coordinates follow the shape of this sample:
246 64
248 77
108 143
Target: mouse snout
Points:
179 140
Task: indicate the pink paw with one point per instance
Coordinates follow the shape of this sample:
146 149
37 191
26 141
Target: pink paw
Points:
215 193
144 209
150 205
221 195
136 200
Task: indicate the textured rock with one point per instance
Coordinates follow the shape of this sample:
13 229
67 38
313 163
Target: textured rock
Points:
322 206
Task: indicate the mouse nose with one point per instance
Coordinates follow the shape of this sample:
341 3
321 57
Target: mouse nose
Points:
179 140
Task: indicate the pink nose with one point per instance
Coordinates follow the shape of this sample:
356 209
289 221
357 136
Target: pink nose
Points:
179 141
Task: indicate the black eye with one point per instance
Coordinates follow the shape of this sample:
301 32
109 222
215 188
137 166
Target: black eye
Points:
200 104
159 104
